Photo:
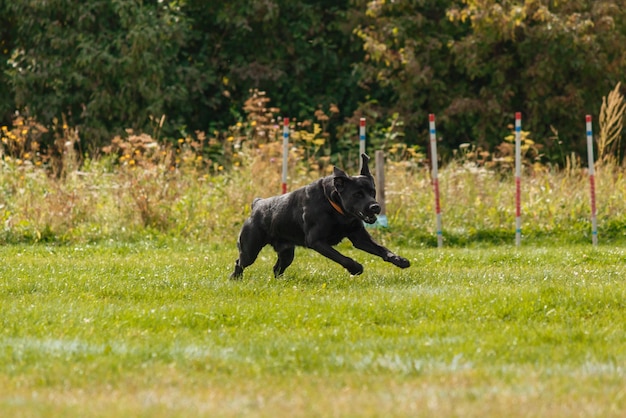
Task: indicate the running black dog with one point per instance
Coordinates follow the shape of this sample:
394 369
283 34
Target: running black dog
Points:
316 216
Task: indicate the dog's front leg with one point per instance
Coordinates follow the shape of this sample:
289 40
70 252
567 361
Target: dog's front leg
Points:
362 240
328 251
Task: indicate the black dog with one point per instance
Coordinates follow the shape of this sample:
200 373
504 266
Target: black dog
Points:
316 216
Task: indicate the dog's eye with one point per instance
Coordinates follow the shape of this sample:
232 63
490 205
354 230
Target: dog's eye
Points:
359 194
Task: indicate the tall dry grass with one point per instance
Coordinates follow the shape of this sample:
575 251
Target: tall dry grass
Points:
200 187
611 121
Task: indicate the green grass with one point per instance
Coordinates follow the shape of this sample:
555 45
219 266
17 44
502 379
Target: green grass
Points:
156 329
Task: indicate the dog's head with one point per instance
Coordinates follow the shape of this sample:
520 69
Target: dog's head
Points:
357 194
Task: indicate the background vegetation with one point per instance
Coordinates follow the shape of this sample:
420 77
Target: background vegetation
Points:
113 65
130 118
197 188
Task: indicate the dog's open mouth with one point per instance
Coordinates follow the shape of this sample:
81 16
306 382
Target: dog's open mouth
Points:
370 219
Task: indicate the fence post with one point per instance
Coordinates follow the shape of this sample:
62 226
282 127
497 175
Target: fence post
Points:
380 188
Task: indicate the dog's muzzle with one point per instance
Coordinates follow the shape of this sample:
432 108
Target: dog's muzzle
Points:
375 208
372 210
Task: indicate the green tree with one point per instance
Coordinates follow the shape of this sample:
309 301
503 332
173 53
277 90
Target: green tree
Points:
299 52
105 66
110 64
552 60
408 66
476 62
7 105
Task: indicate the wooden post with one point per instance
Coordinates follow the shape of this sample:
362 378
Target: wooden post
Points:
380 188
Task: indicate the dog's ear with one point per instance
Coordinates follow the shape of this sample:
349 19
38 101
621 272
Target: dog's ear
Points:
339 178
365 170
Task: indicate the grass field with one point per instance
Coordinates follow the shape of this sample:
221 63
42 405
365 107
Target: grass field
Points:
156 329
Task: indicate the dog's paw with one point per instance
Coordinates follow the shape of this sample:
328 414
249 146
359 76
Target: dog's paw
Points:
399 261
237 274
355 268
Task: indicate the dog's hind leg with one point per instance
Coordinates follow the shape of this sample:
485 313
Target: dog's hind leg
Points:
251 242
285 257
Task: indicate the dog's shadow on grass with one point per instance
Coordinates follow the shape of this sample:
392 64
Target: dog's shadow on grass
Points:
315 272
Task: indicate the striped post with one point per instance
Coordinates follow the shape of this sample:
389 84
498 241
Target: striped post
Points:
518 175
285 152
592 182
435 176
361 141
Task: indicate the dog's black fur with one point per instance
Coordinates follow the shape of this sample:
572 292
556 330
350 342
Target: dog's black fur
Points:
316 216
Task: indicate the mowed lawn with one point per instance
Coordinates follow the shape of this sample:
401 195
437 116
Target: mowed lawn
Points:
156 329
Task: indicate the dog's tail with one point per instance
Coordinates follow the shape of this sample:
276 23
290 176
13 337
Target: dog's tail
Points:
254 202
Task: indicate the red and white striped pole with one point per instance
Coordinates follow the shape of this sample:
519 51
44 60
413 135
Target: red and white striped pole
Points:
361 141
435 176
592 182
518 175
285 152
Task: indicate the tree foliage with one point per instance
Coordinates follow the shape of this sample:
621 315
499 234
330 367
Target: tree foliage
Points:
105 66
476 62
552 60
300 52
109 65
408 68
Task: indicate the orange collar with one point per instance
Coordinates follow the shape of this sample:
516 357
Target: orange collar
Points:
335 206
